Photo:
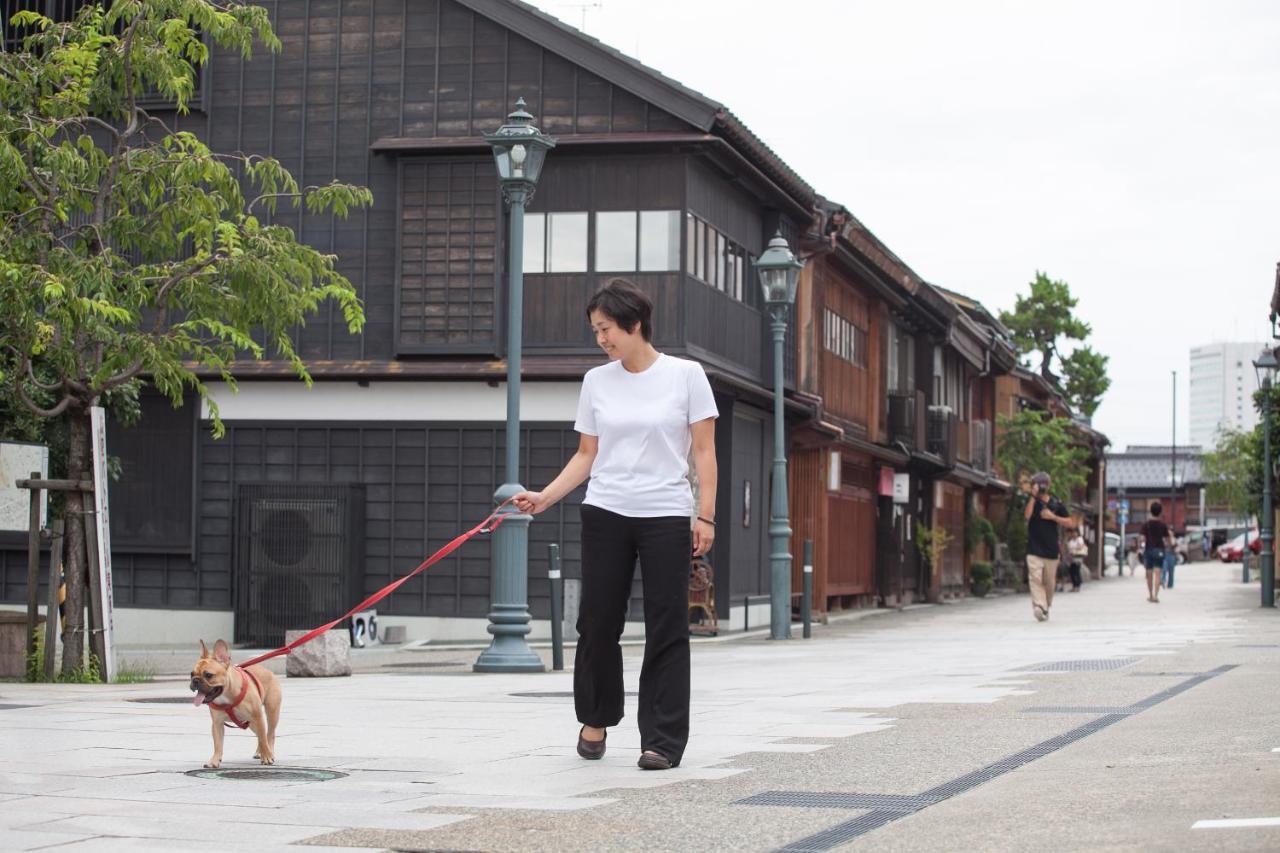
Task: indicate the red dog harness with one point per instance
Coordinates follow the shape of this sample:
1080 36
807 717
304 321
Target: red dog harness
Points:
229 710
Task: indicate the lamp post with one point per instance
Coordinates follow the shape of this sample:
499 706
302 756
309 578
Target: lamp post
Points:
519 150
1266 367
779 271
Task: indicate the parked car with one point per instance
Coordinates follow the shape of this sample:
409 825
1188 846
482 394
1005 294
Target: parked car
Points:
1233 551
1111 541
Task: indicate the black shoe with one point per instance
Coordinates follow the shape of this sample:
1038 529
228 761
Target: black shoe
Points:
591 749
650 760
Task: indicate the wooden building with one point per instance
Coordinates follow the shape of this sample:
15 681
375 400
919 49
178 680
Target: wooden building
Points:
405 422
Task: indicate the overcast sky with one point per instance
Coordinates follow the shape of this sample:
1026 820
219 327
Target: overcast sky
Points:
1129 148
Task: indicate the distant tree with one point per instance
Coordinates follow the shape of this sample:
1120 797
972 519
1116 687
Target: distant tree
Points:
1085 371
128 250
1233 472
1034 440
1044 323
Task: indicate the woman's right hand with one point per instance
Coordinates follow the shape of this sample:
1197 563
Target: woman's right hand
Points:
531 502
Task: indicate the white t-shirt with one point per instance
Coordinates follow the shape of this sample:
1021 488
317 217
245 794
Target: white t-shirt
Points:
642 420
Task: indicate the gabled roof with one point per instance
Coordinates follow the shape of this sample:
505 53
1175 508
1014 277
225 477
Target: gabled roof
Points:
645 83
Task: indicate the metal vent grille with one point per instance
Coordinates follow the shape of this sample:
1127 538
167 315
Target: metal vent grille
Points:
263 774
1096 665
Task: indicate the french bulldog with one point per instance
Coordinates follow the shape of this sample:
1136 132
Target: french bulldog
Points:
241 697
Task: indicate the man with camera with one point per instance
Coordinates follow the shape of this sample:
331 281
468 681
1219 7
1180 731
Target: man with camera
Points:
1044 514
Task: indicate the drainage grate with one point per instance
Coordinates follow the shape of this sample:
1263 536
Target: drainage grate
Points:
425 664
4 706
1080 709
843 832
554 694
835 800
886 808
265 774
165 700
1096 665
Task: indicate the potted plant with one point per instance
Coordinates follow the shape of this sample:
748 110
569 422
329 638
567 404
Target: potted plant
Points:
980 576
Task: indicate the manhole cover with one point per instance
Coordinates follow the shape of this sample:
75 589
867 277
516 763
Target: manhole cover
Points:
1098 665
266 774
165 700
551 694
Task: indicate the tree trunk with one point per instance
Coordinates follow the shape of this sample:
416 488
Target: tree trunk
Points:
76 563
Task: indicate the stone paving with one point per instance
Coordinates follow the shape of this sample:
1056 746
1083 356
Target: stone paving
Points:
444 759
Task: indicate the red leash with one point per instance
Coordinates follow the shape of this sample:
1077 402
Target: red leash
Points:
496 517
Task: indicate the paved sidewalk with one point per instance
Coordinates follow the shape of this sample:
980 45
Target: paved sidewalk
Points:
1116 725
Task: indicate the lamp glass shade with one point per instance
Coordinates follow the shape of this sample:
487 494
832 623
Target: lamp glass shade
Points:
1265 365
519 148
779 272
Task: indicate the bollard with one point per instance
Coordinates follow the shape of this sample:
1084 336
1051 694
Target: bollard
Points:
806 597
1244 566
557 607
746 613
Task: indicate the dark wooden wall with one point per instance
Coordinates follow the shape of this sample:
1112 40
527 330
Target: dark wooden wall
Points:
424 483
355 71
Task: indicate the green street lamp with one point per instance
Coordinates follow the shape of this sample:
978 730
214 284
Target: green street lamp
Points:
779 271
1266 367
519 150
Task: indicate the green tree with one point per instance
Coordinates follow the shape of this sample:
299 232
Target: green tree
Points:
1232 471
1044 322
129 251
1034 440
1085 371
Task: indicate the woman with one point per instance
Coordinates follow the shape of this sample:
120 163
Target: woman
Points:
638 416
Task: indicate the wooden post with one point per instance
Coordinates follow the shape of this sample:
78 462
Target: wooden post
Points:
33 567
51 621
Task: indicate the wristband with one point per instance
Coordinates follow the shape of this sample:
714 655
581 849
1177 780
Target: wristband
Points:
707 520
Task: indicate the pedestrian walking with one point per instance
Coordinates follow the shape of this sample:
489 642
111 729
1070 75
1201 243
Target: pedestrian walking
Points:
1044 514
638 417
1077 553
1206 543
1170 562
1155 534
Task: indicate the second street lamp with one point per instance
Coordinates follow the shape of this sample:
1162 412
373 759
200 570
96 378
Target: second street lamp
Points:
779 271
519 150
1266 368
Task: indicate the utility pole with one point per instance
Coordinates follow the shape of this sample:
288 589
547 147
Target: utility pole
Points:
1173 459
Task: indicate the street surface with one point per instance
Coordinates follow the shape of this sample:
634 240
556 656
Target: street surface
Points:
1117 725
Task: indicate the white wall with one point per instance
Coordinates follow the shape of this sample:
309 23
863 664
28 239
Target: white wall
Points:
392 401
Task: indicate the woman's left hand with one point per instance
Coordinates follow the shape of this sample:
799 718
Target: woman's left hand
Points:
704 535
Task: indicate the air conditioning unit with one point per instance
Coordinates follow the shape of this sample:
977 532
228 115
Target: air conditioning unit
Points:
299 557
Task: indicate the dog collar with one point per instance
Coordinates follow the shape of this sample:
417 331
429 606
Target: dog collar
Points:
229 710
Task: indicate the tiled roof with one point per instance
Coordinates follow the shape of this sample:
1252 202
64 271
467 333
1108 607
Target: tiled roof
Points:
1147 467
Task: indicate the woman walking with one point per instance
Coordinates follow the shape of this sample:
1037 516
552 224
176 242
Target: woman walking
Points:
638 417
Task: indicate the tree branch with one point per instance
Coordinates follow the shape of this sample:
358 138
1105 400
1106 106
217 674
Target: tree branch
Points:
31 375
31 404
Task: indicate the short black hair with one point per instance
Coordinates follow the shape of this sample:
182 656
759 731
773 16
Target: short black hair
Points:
623 302
1156 509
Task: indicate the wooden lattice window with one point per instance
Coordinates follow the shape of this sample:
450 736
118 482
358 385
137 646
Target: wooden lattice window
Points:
448 246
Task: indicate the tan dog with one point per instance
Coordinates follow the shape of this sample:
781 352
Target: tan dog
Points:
247 698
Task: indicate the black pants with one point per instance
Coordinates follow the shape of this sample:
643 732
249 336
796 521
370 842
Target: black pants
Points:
611 544
1076 580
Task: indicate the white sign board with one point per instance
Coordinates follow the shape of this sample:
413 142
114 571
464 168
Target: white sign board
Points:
17 460
901 488
102 522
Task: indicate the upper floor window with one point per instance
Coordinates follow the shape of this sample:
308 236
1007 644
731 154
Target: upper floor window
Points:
625 241
949 386
713 258
843 339
901 367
